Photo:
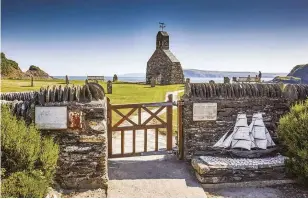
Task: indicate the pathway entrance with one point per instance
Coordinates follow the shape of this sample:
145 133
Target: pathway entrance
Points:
137 130
156 172
152 176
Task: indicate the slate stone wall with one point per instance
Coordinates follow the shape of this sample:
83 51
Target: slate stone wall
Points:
83 145
231 99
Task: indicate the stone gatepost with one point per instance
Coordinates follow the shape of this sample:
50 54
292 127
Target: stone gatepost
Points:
109 87
67 80
226 80
153 82
187 80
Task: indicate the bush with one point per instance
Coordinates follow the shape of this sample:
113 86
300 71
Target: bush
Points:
25 155
293 132
25 185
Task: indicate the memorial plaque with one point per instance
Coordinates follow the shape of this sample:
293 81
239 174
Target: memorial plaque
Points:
51 117
204 111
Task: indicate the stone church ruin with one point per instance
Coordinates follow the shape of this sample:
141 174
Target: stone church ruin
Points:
163 66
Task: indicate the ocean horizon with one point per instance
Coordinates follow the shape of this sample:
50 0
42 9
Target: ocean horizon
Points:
142 79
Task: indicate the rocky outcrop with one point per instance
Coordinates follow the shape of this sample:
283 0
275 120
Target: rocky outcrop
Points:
36 72
300 71
298 75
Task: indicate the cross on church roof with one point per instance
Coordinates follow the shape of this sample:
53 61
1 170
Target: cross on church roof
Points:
162 26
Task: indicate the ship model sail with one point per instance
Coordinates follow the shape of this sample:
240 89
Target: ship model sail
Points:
251 141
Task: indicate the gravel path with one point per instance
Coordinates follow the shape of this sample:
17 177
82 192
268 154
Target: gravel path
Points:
152 176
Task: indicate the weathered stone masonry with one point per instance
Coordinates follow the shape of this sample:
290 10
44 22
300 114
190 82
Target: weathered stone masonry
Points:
83 157
163 65
232 99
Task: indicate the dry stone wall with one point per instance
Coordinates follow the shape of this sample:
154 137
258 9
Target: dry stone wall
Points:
83 144
270 99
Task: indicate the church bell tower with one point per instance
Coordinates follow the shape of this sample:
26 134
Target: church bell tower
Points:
162 38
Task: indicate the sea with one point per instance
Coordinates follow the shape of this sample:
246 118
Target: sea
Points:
142 79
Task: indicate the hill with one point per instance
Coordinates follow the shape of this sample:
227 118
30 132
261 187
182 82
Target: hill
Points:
300 71
11 70
35 72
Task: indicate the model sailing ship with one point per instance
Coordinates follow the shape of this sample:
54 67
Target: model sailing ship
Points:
248 141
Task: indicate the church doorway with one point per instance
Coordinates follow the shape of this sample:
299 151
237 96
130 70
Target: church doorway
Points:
158 79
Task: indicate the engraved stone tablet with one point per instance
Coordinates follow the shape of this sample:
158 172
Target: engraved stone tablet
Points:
51 117
204 111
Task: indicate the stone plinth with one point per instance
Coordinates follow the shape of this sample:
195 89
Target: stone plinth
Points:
215 170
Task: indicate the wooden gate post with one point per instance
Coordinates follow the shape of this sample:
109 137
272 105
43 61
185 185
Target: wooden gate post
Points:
169 124
109 127
180 130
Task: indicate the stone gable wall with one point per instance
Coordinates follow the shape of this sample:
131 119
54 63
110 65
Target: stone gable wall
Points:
177 75
164 63
83 145
159 63
231 99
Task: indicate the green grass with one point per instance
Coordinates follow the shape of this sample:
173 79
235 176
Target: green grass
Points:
122 93
288 78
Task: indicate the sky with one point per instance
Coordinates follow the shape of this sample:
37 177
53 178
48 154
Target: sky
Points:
106 37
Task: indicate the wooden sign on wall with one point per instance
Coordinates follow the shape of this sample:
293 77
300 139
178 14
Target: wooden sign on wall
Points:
204 111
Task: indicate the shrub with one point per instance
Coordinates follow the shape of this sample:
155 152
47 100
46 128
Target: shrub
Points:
293 132
48 157
20 145
25 155
25 185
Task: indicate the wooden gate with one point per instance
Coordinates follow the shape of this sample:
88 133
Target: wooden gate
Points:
125 124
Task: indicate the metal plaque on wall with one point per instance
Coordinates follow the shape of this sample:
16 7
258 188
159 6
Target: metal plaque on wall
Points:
204 111
51 117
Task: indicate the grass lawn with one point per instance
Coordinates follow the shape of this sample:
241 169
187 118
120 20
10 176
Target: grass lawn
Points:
122 93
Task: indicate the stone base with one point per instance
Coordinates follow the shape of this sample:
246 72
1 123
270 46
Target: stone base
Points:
217 170
262 183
